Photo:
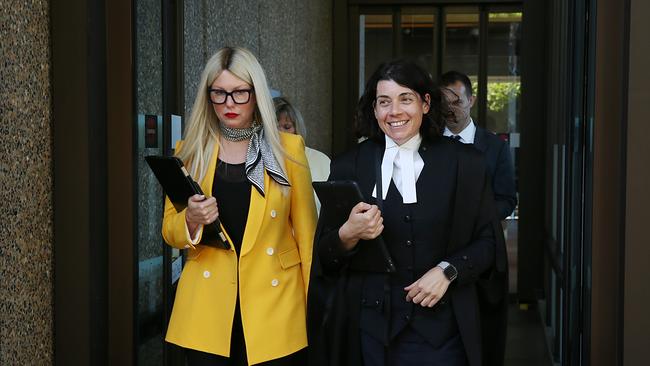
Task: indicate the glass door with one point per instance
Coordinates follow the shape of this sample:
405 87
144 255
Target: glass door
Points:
461 52
149 131
418 36
157 127
375 28
502 102
387 33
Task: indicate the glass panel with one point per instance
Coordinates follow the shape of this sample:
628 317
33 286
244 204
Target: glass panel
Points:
375 44
462 31
556 292
176 258
504 84
503 98
417 36
149 111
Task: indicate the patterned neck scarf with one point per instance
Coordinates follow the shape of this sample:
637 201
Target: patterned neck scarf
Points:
258 151
239 134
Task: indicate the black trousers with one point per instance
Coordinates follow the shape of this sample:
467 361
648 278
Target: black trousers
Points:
409 348
198 358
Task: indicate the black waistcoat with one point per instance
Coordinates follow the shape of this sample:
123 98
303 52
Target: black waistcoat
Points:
417 235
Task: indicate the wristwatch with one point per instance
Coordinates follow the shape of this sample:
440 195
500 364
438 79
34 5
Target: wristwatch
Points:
449 270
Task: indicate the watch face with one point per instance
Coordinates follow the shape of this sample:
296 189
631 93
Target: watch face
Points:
450 272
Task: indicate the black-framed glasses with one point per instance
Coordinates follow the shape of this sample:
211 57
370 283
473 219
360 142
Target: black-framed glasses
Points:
219 96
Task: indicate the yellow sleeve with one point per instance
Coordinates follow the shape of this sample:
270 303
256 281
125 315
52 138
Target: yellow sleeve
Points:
174 228
303 207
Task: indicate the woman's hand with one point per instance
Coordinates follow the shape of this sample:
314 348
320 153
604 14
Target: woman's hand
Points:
365 222
200 211
429 289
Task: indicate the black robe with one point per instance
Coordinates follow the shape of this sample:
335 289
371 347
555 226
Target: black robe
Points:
334 296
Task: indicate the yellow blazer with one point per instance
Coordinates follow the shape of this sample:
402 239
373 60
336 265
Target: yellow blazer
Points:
273 269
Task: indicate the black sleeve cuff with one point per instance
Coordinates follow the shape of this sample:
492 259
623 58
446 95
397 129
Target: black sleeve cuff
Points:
333 254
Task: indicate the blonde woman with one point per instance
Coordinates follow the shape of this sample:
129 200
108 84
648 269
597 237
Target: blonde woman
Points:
244 305
290 121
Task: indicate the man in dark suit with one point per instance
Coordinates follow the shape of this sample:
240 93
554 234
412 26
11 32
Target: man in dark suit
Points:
457 88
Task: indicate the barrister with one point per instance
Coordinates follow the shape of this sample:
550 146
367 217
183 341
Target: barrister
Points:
437 221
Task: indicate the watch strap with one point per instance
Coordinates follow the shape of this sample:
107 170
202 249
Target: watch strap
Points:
448 270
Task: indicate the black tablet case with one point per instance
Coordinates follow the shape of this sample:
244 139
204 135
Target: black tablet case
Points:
337 200
179 187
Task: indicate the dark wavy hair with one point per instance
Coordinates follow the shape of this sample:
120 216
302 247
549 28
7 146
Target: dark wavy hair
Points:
410 75
451 77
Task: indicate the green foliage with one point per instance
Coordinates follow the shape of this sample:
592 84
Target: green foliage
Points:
500 94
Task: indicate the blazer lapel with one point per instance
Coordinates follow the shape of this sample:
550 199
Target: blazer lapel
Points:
479 140
468 197
459 227
365 169
256 212
423 179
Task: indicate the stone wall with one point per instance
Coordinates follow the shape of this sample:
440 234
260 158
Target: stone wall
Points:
292 39
26 218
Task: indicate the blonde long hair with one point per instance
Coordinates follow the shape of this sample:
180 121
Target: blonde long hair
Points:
202 129
283 106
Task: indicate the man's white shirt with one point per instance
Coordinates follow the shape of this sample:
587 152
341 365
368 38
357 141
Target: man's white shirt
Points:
466 135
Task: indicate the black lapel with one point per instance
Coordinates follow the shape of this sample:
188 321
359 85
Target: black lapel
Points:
458 223
425 151
480 141
366 167
465 204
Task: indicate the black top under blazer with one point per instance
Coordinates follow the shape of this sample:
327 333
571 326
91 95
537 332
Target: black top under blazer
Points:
454 220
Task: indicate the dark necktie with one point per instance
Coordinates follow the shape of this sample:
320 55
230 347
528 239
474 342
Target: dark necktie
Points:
456 137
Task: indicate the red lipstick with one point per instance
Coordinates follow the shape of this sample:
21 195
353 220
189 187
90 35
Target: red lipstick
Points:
231 115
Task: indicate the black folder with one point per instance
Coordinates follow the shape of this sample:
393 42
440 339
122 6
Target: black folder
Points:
179 187
337 200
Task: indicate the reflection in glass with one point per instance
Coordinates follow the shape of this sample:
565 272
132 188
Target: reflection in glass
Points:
149 211
375 44
504 84
503 101
462 31
417 37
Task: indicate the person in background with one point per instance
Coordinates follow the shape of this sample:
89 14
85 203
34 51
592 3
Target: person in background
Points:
245 305
457 89
290 121
437 220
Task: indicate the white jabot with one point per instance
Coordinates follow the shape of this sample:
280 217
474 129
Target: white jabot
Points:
466 135
403 164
